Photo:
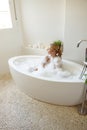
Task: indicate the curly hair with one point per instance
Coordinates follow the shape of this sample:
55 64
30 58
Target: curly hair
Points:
57 49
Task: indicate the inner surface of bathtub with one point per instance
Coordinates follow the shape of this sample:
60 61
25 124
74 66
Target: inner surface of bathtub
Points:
70 71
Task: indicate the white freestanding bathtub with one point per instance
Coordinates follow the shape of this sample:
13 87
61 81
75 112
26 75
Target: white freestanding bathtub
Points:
56 91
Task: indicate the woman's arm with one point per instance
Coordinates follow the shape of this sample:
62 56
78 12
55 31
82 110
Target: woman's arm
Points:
46 61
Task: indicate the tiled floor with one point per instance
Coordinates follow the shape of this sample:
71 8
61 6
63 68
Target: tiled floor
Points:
20 112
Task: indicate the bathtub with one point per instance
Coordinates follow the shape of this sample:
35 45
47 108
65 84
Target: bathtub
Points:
66 92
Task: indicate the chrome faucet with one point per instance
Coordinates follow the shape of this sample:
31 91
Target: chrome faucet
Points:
82 107
78 43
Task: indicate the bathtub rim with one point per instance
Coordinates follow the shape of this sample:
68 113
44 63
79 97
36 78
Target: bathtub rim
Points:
11 64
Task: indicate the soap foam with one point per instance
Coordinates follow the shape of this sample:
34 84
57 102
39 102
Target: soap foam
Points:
29 67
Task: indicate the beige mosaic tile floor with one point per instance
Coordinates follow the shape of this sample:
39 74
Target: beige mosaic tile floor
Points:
20 112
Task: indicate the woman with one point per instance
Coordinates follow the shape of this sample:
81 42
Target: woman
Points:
54 56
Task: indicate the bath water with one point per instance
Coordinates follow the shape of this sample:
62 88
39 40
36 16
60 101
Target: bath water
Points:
27 67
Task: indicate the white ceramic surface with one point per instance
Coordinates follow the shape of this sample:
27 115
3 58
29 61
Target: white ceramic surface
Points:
61 92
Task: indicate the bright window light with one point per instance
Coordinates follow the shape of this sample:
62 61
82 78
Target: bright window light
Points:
5 16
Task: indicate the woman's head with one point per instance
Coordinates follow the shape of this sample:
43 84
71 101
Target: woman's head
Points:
55 49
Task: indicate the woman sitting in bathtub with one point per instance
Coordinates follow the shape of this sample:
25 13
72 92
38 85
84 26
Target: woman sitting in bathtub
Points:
54 58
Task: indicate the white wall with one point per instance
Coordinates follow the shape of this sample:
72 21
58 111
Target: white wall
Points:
10 43
75 29
48 20
43 20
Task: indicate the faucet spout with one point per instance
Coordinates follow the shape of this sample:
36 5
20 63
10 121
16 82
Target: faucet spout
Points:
79 42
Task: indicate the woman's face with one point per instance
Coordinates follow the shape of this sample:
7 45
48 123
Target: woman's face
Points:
55 50
52 52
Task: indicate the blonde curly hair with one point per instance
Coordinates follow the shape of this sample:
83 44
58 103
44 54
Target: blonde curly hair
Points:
55 49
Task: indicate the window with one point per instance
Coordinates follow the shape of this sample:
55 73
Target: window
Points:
5 16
